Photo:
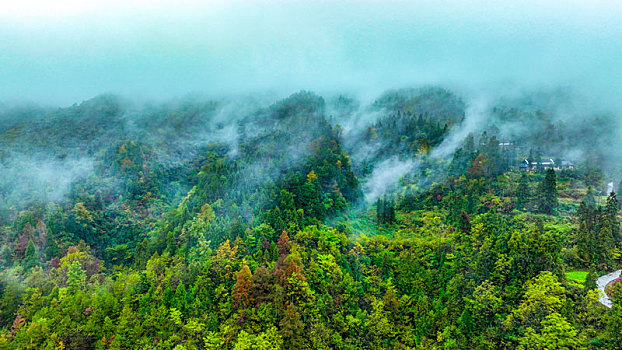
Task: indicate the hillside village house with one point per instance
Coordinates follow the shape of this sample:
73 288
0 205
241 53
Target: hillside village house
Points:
545 164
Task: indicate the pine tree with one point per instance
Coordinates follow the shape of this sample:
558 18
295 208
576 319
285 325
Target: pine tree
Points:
380 211
390 214
548 193
385 211
604 243
179 299
611 215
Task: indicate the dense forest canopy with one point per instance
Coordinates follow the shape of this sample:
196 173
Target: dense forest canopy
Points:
309 222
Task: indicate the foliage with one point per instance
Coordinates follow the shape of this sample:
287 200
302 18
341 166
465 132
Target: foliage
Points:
265 242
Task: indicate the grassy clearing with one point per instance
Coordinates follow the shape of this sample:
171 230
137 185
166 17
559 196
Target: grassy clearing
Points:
359 222
577 278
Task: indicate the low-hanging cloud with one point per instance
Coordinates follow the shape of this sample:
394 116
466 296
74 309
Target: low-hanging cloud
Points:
385 177
167 48
28 179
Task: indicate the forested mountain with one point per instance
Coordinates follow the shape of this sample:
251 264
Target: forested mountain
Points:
307 222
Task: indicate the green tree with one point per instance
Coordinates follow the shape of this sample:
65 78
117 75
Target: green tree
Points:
613 319
543 296
291 328
523 193
385 211
268 340
547 196
486 305
75 276
30 256
556 334
180 298
611 215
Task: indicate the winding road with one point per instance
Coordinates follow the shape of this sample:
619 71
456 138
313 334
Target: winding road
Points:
602 282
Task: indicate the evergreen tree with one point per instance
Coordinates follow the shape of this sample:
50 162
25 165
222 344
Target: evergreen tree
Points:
179 298
590 280
385 211
611 215
590 199
380 211
537 157
613 319
390 218
523 193
30 256
496 164
548 193
75 276
469 144
51 248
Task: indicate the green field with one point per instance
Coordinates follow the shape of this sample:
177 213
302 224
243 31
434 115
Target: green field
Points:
577 278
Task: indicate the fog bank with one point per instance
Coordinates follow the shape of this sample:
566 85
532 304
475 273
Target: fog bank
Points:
66 51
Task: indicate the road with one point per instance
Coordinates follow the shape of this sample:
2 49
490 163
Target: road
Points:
602 282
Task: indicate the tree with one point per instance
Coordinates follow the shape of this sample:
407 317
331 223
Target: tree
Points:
179 299
262 284
268 340
291 328
611 215
30 256
478 166
385 211
589 199
464 222
556 334
75 276
485 304
496 164
595 238
548 193
590 280
523 193
537 157
534 250
241 293
613 319
283 244
543 296
126 329
51 248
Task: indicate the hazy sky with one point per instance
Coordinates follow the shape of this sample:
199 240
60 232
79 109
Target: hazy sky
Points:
65 51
